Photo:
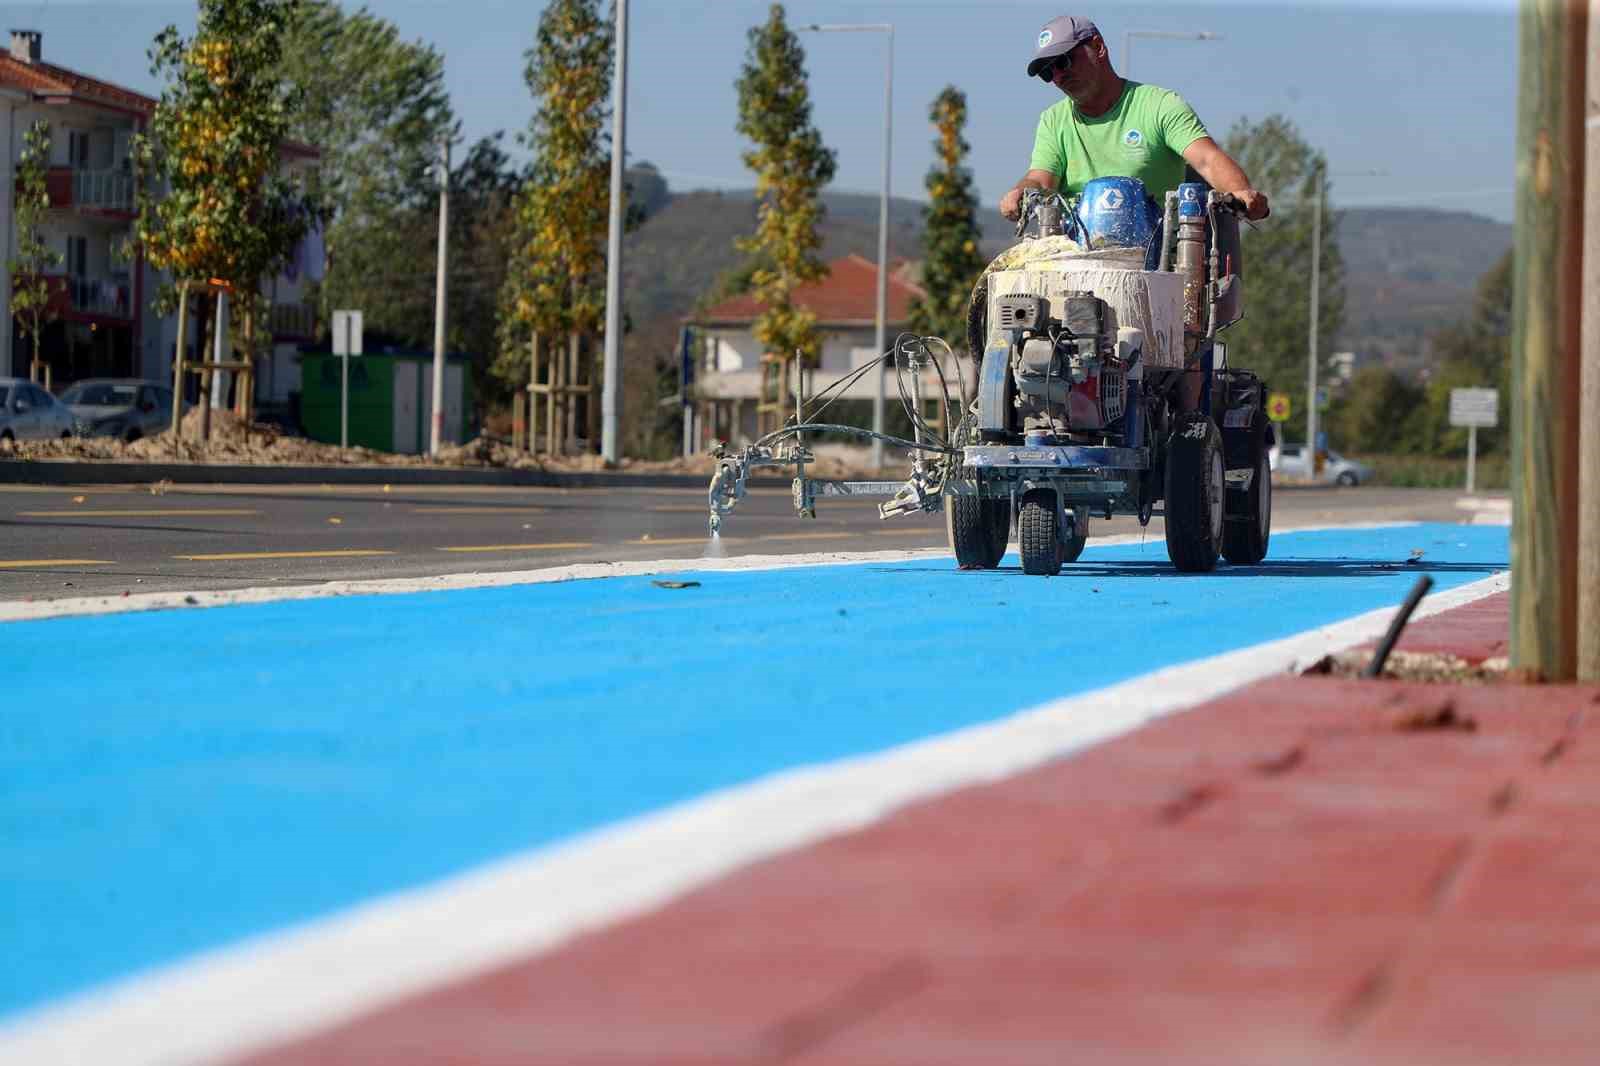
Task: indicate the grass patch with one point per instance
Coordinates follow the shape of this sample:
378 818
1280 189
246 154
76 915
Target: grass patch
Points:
1433 472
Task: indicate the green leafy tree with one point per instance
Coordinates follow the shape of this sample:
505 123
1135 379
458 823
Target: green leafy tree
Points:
950 235
1273 338
228 211
554 282
1373 413
1474 353
791 165
376 107
30 290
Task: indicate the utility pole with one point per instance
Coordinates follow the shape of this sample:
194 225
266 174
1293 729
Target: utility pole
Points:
439 299
1589 439
611 398
1545 338
1316 300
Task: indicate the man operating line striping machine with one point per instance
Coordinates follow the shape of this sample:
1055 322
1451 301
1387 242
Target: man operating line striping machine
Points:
1101 386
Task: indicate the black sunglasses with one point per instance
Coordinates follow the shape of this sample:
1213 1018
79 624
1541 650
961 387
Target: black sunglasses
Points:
1061 64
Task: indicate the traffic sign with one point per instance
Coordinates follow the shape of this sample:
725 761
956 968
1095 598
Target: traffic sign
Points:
1278 406
1475 407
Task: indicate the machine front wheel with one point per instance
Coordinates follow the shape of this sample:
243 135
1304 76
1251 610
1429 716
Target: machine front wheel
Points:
978 528
1194 493
1038 533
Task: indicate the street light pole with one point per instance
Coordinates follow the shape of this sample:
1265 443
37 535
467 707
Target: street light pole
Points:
440 289
880 340
1129 35
610 402
1316 298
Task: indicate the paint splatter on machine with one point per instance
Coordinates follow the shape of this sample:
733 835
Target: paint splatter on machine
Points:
1101 389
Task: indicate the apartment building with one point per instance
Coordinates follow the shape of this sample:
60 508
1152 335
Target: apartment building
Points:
103 324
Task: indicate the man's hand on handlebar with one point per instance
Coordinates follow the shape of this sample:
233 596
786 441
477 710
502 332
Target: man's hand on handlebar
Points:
1011 203
1251 203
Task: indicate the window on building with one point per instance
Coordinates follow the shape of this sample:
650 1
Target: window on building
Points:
78 149
78 256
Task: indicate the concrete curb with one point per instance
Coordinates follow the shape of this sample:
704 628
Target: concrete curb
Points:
75 472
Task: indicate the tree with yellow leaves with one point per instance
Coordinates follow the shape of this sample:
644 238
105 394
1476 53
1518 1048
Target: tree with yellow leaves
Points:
214 201
30 291
951 262
791 165
553 284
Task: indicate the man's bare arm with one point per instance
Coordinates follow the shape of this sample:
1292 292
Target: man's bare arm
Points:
1011 202
1218 168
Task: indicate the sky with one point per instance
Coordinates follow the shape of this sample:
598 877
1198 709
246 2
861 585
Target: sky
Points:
1423 94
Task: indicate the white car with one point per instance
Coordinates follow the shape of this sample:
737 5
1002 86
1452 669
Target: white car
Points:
27 412
1290 461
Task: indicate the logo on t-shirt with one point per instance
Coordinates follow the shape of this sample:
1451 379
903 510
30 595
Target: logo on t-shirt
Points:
1133 139
1045 37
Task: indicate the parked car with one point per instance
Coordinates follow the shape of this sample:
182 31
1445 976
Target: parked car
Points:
1290 461
28 412
128 408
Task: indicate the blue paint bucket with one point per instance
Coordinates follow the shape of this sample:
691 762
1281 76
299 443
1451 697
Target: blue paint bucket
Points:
1117 213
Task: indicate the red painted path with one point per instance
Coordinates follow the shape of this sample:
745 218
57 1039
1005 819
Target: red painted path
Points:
1307 871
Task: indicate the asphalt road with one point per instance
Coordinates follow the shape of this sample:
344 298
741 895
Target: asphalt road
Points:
63 542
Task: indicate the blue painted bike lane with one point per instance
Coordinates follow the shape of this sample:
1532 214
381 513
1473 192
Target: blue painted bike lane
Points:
173 781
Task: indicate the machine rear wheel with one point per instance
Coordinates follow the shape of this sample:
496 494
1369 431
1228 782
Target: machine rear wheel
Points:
1038 533
1244 541
1080 536
978 528
1194 493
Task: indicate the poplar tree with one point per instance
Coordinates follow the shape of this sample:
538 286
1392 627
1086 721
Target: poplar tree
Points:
226 210
554 280
30 291
951 263
791 165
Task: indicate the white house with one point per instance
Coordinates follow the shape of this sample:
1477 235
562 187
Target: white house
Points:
104 325
728 371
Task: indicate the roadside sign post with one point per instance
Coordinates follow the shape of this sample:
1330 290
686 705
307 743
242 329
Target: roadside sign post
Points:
1473 408
346 342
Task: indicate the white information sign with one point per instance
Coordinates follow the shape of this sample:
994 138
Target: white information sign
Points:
347 333
1475 407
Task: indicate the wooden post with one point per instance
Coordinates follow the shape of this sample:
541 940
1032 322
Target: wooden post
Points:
1589 443
177 366
533 394
569 395
1545 337
208 331
518 402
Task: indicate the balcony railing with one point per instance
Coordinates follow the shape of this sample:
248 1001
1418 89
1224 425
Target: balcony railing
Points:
290 320
104 190
102 297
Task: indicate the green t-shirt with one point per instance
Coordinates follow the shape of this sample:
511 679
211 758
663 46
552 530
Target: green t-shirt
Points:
1142 136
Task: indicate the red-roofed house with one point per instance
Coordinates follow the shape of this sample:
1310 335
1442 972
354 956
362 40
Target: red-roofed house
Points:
728 373
104 325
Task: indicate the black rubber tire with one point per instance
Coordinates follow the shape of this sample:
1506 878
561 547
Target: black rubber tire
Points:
1348 480
1038 534
978 528
132 436
1194 493
1245 538
1080 536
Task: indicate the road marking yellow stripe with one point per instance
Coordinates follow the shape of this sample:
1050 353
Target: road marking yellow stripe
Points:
17 564
841 534
224 557
654 541
210 512
479 510
520 547
679 509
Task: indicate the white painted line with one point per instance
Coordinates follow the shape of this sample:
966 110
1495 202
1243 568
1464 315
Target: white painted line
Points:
25 611
290 983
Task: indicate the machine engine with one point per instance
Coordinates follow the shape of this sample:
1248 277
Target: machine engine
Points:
1069 371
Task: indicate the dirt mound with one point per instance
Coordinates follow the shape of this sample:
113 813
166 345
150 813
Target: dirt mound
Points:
233 441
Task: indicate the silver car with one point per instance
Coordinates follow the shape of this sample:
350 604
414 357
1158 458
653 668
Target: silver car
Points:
28 412
128 408
1291 461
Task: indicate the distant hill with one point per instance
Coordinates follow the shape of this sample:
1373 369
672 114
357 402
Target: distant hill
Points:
1408 270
